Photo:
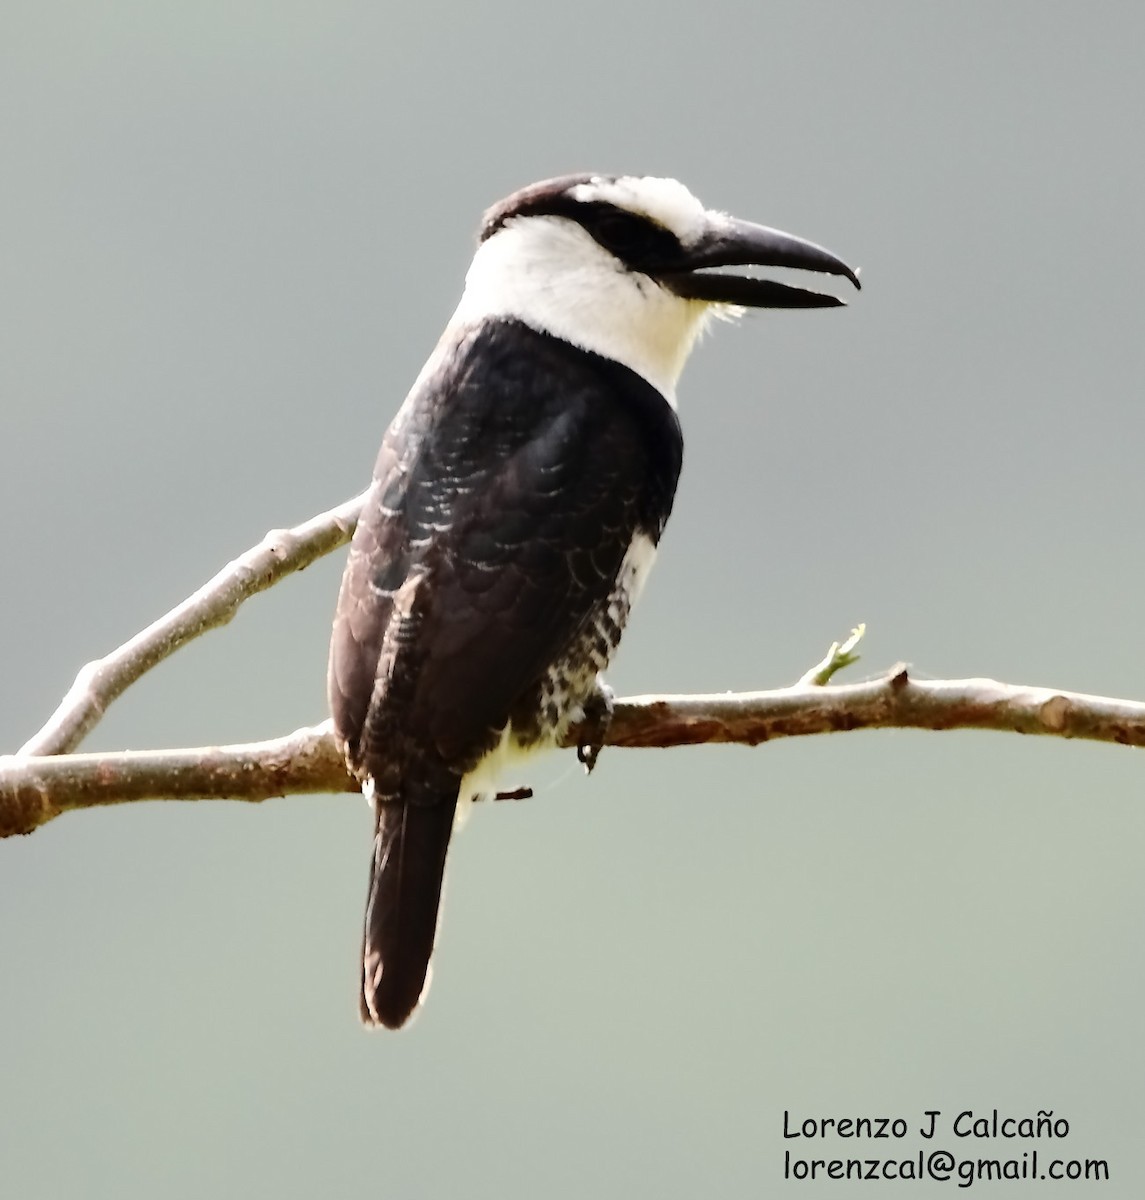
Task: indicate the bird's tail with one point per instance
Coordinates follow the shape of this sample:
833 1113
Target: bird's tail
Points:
401 909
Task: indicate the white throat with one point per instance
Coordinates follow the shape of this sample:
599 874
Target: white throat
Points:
549 273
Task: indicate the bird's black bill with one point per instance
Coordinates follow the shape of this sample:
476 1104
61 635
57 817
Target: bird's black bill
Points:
742 243
745 291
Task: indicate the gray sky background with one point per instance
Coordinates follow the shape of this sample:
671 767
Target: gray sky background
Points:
231 234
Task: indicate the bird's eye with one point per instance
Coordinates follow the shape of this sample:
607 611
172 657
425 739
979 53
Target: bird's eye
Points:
619 229
628 237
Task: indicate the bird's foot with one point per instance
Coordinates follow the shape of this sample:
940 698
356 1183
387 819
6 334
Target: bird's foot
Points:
598 710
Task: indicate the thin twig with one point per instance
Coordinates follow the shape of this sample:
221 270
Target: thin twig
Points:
837 657
280 553
34 790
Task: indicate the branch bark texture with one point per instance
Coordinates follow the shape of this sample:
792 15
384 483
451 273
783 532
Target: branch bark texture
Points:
33 790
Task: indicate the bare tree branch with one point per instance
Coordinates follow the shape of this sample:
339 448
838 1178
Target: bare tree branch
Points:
43 780
34 790
280 553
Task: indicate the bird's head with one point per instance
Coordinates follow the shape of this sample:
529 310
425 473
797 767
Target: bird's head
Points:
630 267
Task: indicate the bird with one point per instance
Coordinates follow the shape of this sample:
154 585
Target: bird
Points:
516 507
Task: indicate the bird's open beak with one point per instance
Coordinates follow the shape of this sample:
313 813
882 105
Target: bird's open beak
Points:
733 243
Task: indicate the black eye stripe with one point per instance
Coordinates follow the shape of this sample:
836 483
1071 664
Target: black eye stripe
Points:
637 241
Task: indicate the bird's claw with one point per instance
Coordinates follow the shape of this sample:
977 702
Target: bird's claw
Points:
598 710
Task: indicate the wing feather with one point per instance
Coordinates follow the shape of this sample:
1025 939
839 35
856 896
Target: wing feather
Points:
510 486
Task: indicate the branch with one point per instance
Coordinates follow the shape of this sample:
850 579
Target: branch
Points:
34 790
43 780
280 553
